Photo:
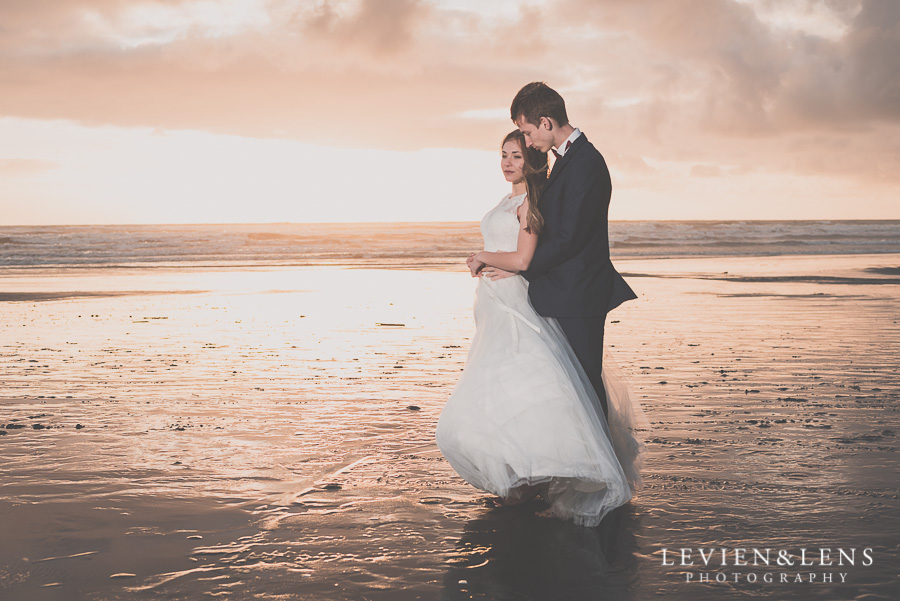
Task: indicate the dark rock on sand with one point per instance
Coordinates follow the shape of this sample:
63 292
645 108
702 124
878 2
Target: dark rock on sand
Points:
434 500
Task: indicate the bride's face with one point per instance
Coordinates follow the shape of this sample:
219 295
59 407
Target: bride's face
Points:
512 162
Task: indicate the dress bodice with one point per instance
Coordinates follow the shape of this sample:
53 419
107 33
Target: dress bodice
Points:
500 226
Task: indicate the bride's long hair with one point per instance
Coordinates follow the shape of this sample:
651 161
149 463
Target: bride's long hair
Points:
535 171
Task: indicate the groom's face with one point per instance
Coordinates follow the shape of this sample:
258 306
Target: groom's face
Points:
536 136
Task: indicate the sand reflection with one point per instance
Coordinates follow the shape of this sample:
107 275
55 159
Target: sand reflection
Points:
511 554
261 433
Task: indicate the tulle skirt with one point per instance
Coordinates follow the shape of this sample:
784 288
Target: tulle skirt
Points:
524 413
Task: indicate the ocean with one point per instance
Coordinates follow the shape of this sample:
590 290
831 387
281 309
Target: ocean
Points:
283 244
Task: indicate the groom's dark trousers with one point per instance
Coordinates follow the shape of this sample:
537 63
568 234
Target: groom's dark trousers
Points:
585 335
571 276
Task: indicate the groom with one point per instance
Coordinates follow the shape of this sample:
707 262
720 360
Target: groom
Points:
571 276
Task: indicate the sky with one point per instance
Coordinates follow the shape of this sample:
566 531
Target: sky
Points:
185 111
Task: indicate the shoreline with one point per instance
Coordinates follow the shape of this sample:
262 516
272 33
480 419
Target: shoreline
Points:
43 284
394 261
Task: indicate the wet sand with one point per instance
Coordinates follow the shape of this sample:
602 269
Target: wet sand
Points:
268 434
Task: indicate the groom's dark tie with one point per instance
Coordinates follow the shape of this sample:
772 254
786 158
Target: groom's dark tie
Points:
568 144
556 154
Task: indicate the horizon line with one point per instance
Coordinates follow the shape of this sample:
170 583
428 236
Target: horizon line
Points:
134 224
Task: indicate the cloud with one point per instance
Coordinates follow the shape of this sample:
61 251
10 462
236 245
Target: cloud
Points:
722 83
380 26
809 89
741 76
26 166
374 74
872 51
705 171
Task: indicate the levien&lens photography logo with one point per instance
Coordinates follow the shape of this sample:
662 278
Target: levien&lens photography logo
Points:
711 565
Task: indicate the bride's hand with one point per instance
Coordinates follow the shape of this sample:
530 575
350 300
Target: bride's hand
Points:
474 265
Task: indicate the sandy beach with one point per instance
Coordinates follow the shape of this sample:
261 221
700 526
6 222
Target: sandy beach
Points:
268 433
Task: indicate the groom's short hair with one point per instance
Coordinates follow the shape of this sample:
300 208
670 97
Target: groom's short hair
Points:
536 100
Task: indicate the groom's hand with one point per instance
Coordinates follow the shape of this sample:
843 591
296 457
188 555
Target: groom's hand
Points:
495 273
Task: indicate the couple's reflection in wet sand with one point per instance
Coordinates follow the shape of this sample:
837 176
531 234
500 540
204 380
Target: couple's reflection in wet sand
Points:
511 554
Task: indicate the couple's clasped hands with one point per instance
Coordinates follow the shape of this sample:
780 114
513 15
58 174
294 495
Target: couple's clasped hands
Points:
479 268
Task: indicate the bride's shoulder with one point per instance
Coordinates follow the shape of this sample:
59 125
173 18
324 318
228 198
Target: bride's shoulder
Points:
521 201
522 206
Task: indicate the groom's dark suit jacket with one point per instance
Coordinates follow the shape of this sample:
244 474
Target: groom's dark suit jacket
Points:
571 274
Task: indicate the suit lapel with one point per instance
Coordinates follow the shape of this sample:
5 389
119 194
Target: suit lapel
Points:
561 163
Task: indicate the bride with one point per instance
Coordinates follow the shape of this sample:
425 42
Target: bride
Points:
524 418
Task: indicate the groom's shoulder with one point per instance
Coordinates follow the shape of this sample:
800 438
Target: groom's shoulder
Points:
589 154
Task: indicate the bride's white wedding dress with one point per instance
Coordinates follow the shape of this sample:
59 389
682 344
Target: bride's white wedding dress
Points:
524 412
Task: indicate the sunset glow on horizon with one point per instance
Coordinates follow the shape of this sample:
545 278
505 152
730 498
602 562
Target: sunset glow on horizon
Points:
253 111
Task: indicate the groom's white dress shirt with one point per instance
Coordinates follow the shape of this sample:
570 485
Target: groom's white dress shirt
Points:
564 147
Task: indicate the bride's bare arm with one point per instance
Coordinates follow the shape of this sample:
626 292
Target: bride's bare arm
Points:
520 259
